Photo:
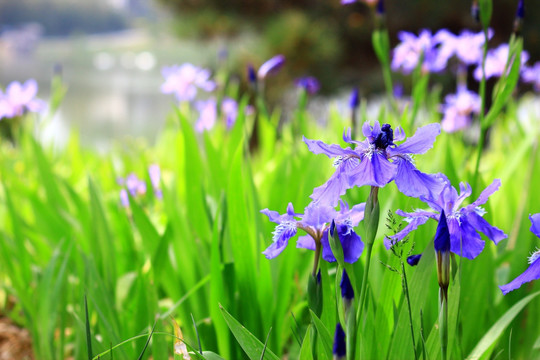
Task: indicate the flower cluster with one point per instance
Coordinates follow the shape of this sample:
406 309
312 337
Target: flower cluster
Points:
459 109
20 98
208 113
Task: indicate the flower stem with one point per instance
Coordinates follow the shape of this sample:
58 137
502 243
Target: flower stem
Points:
443 321
406 291
316 259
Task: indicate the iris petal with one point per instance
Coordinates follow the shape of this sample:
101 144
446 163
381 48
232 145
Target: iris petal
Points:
532 273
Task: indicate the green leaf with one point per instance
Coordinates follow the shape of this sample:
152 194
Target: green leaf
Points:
324 334
209 355
306 351
249 343
485 344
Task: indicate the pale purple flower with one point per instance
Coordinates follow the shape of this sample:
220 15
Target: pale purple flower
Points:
496 62
271 66
229 109
459 109
532 75
207 115
377 161
308 83
20 98
184 80
134 185
154 173
412 48
315 222
533 271
467 46
464 223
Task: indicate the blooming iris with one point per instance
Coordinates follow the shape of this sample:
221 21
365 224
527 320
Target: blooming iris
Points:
369 162
229 109
184 80
467 47
207 115
532 75
412 48
308 83
155 179
463 223
533 271
459 109
19 98
496 62
316 223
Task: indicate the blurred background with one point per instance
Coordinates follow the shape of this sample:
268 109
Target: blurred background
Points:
110 52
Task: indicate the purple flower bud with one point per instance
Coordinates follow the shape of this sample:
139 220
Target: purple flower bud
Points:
354 101
340 346
520 14
475 11
271 66
380 7
414 259
252 77
347 292
442 235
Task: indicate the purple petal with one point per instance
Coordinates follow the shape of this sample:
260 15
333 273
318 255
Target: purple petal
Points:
271 66
377 171
356 214
465 191
332 150
532 273
282 234
337 185
350 242
414 183
464 239
480 224
484 196
399 134
418 213
414 259
421 142
273 216
413 225
535 224
305 242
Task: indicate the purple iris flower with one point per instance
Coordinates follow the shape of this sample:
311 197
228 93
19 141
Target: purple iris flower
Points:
354 100
271 66
533 271
184 80
316 222
19 98
412 48
369 162
459 109
532 75
347 291
229 109
464 223
207 115
467 47
134 185
496 62
308 83
124 198
155 179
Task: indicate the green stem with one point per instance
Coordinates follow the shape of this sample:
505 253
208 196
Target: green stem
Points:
443 321
363 290
406 290
316 260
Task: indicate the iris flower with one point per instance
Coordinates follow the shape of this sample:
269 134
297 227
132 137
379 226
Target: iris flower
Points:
377 161
315 222
308 83
496 62
271 66
464 223
184 80
467 47
532 75
459 109
19 98
412 49
207 115
533 271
